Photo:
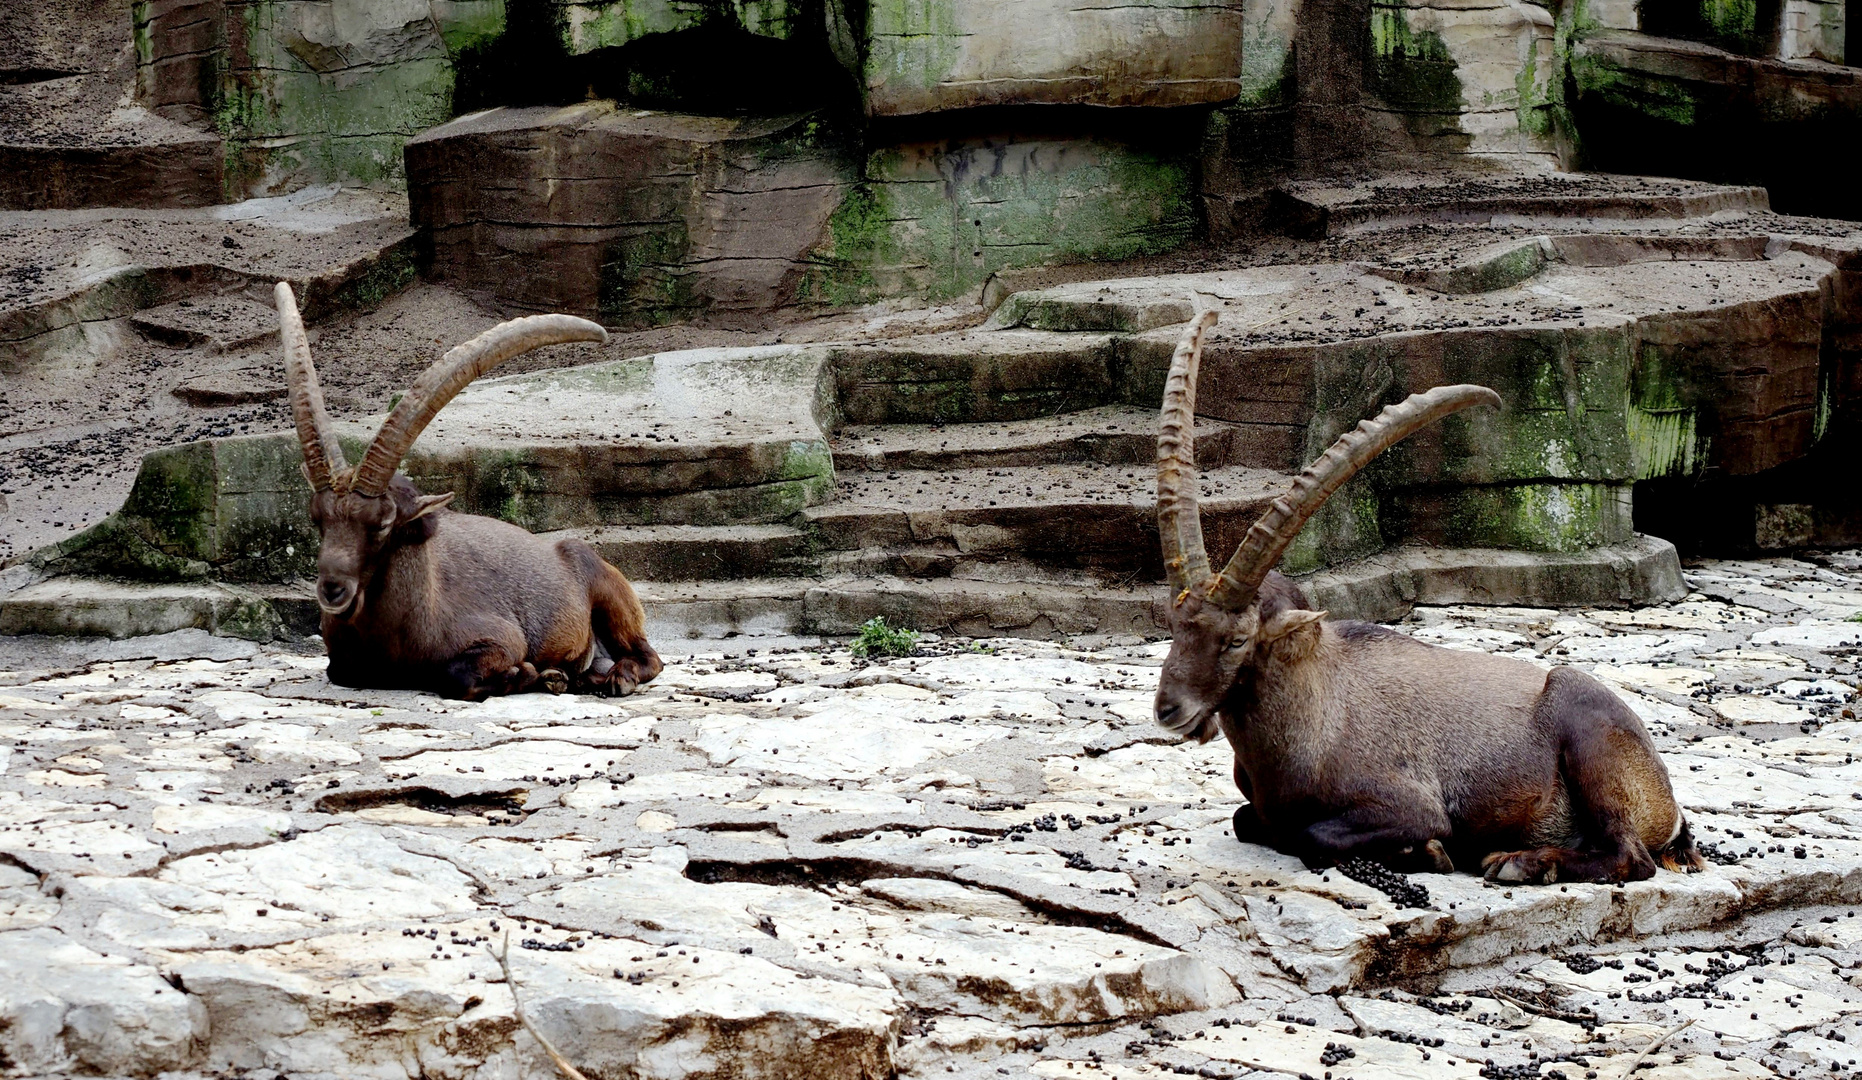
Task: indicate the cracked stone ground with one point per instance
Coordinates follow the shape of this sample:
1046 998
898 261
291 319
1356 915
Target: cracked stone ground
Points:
779 861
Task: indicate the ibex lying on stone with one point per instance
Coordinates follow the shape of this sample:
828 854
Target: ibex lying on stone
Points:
1352 740
415 596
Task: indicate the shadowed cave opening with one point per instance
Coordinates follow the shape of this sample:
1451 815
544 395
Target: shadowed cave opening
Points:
716 68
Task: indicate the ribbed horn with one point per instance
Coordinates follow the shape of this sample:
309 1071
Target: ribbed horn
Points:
1179 522
453 372
1268 538
323 455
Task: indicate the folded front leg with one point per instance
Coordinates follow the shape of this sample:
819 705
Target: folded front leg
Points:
1406 839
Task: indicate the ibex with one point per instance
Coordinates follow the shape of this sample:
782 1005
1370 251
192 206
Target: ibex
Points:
1354 741
415 596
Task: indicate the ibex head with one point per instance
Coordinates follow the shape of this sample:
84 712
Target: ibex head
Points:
1223 623
364 512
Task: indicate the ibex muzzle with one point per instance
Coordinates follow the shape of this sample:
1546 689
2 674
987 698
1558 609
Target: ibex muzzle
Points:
1352 740
416 596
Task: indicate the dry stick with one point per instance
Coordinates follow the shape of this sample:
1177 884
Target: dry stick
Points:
1531 1007
1276 317
517 1006
1655 1045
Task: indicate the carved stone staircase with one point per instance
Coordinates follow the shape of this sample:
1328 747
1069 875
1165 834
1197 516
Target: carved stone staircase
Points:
999 479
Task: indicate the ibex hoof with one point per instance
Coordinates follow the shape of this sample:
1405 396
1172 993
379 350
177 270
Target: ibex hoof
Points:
552 681
1439 856
1520 867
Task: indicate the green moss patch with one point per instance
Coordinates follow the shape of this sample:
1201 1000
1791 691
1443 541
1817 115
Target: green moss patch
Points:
1523 517
935 221
1410 69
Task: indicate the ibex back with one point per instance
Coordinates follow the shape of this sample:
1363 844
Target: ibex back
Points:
1352 740
415 596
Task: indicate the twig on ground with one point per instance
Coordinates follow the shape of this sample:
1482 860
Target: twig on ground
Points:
1555 1014
1656 1044
502 956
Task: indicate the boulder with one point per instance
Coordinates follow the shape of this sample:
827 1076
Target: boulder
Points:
68 136
629 216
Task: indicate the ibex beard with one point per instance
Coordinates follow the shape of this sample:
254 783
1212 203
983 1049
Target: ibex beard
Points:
1354 741
415 596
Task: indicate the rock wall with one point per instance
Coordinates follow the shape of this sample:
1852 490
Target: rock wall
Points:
625 215
68 136
639 217
310 91
1644 104
588 25
1453 77
936 219
921 56
307 91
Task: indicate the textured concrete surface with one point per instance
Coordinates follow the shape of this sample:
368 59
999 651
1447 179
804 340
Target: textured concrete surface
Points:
779 860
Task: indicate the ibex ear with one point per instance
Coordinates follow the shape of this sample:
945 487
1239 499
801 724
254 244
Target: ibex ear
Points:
427 504
1291 633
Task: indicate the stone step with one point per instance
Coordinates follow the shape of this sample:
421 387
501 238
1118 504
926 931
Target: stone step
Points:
1321 208
972 446
215 323
91 607
946 560
343 250
839 605
983 376
1110 435
701 552
1044 604
1072 515
1047 604
126 156
232 386
1579 312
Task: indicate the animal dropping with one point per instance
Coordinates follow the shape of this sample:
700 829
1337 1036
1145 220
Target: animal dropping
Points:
416 596
1353 741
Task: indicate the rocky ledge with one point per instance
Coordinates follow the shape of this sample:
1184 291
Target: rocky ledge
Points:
781 860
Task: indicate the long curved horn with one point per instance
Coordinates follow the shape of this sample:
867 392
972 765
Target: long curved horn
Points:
1179 522
440 383
323 455
1268 538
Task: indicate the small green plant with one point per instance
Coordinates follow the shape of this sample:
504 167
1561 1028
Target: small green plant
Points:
1857 617
879 638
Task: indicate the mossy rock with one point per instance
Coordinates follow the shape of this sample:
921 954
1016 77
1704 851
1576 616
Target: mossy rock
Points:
1523 517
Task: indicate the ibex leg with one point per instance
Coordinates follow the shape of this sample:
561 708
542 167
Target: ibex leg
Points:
492 666
623 659
1405 838
1619 791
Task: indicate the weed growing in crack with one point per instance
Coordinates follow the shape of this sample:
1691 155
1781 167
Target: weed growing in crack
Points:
879 638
